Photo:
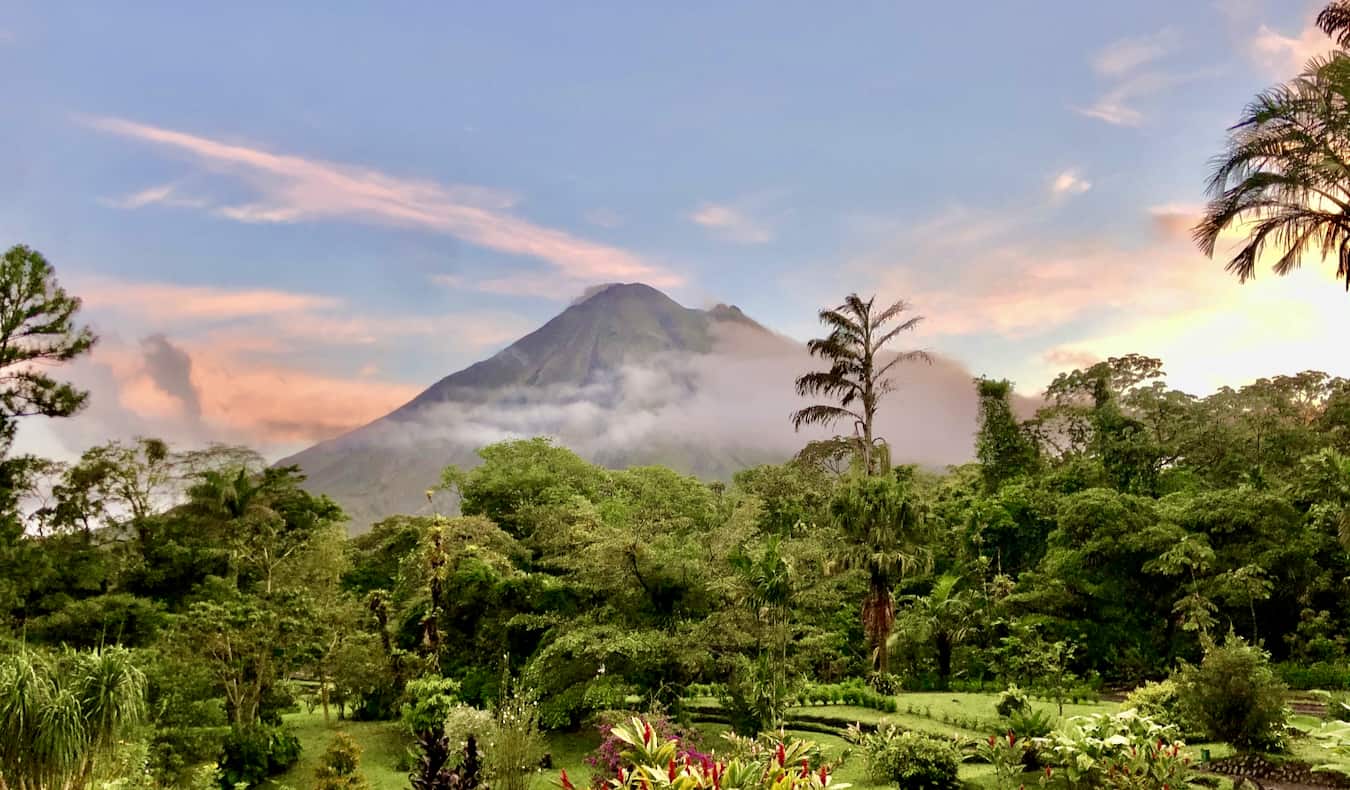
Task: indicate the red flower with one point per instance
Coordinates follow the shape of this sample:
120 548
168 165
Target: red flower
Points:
806 769
670 769
1012 738
566 783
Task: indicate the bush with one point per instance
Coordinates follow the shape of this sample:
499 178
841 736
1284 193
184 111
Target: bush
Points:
516 744
886 683
1161 702
1123 750
1321 675
251 754
607 758
1234 696
909 759
761 763
340 768
427 703
1031 723
1011 700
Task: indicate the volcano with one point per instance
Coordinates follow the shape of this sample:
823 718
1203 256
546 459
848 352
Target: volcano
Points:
625 376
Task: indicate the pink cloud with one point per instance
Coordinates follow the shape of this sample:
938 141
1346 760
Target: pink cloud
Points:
1284 56
169 302
295 189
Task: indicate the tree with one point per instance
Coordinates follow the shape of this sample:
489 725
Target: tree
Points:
882 534
1285 176
857 379
945 615
1003 447
37 328
62 717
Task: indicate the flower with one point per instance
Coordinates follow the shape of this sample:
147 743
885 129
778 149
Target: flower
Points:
566 783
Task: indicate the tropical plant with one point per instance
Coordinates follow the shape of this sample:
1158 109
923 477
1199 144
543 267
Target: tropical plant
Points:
1007 755
908 759
884 535
762 763
858 374
946 615
1335 21
1011 700
435 768
1284 179
1122 750
1161 702
61 717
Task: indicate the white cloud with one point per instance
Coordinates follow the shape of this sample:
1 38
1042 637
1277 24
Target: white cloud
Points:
1128 54
731 223
1284 56
1069 182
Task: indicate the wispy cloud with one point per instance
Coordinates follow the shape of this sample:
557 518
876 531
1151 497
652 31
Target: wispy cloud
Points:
296 189
164 194
1069 182
732 223
604 217
169 302
1130 68
1128 54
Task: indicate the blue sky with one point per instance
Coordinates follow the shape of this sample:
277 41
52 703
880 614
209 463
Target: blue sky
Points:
326 207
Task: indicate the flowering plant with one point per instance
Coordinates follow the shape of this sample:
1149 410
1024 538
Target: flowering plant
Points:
1123 750
651 762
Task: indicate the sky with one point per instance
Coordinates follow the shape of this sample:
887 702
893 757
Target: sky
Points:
286 221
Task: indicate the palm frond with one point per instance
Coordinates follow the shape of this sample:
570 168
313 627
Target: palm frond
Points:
1334 20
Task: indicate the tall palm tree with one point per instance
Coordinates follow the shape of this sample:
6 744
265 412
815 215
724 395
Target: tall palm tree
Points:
61 717
1285 176
882 533
856 378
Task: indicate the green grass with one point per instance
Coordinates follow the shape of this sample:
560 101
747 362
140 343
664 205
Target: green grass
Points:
383 744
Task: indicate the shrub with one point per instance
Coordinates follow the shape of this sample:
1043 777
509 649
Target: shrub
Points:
1124 750
760 763
251 754
433 770
755 699
1031 723
1234 696
886 683
1161 702
427 703
464 721
1010 700
1321 675
909 759
340 768
607 758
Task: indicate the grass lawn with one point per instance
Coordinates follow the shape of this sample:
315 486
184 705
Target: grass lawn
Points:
382 744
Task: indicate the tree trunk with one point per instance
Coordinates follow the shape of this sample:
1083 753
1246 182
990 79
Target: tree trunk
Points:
944 659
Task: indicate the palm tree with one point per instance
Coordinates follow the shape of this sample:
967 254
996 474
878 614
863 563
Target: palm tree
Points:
882 534
858 334
1335 22
61 717
946 615
1285 176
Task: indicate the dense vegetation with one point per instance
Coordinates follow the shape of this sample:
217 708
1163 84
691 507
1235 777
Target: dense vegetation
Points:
161 608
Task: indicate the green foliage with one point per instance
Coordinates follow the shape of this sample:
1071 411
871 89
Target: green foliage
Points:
909 759
340 768
1030 722
1122 750
1011 700
1161 702
762 763
1234 696
1003 447
253 753
62 717
429 701
755 696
